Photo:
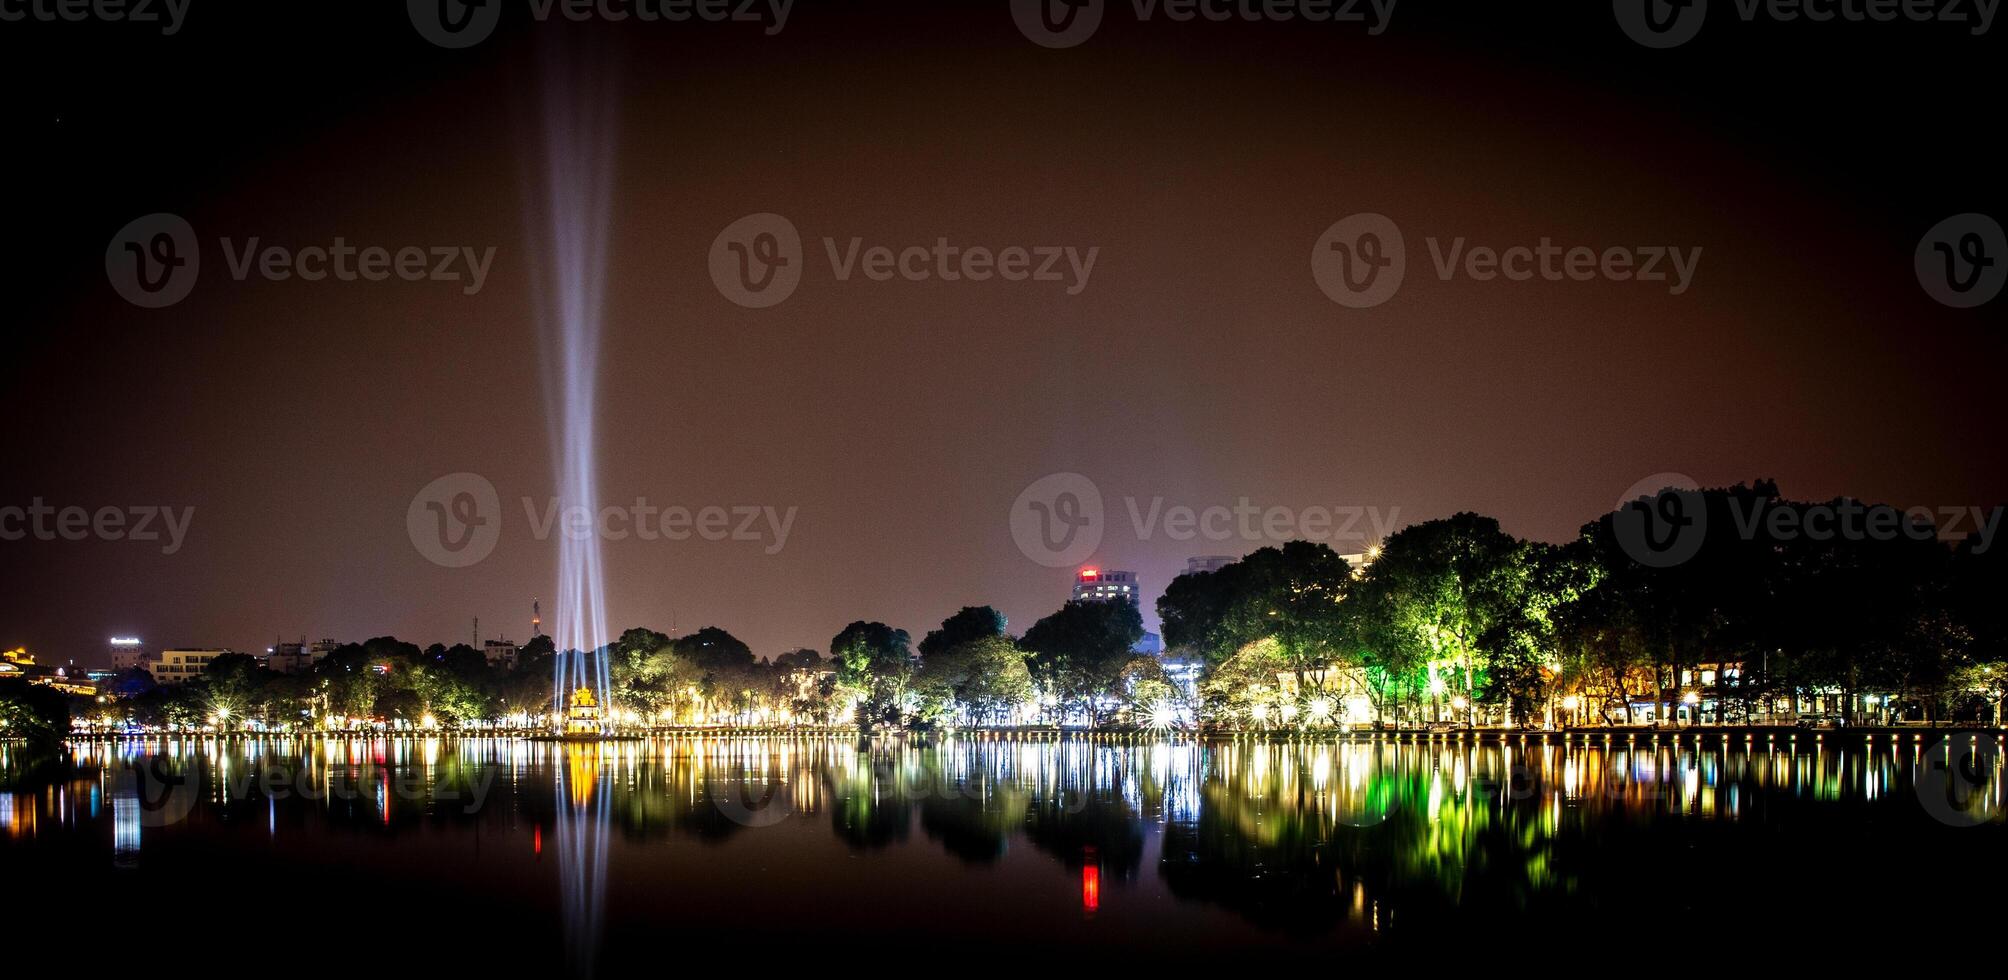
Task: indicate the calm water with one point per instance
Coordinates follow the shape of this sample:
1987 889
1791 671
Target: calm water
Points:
306 856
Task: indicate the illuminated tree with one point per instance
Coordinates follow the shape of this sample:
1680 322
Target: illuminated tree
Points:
875 661
1433 595
1079 653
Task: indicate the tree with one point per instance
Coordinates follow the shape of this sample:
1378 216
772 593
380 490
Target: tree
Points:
719 665
1195 610
1293 595
1522 642
237 687
1079 653
982 679
875 661
35 712
1148 692
967 625
1979 580
1433 594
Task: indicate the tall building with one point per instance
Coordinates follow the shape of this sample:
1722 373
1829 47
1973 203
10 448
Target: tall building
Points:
178 666
1097 585
127 653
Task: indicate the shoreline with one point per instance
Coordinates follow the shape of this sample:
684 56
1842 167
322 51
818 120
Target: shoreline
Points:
1699 735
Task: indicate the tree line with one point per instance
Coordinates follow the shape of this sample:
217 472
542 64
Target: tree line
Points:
1449 620
1756 601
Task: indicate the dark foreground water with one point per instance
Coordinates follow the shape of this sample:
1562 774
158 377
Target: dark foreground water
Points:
394 857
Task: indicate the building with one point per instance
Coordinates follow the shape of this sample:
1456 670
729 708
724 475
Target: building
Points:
1208 563
177 666
16 663
1097 585
290 658
127 653
500 653
69 681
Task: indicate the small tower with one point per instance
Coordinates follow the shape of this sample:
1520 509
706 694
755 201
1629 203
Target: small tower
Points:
536 618
584 718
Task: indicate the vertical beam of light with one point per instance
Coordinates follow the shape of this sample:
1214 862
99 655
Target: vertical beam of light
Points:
570 285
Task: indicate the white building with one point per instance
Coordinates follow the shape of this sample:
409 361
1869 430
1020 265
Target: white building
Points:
500 653
179 666
1096 585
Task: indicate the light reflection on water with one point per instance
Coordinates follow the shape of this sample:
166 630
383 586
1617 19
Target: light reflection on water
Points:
1348 842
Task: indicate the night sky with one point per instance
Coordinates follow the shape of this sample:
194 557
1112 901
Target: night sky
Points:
1201 364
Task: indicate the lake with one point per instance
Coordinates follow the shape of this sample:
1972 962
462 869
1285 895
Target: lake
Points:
287 856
